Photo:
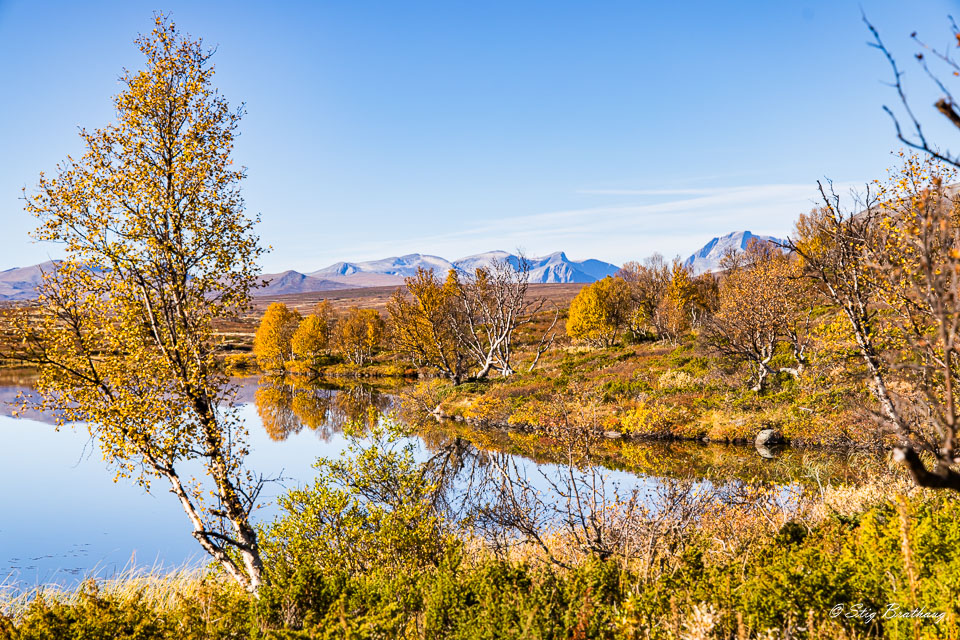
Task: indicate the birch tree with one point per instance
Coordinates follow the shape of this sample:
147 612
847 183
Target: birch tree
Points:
492 304
158 249
423 320
892 269
762 304
465 325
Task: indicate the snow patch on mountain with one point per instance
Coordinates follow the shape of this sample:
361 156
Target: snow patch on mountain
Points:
21 283
402 266
708 258
554 268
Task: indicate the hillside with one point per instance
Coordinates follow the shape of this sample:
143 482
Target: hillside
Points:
21 283
708 257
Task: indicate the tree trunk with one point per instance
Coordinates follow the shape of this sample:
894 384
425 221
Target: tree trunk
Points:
763 370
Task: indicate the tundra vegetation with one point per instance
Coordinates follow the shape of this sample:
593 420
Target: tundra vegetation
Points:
847 334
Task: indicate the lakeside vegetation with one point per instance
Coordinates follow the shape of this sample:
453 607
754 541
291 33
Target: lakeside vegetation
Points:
847 336
381 546
840 337
640 365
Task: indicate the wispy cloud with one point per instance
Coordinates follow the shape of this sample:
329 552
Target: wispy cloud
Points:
679 222
621 229
646 192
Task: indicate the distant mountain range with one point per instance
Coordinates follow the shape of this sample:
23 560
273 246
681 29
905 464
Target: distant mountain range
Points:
21 283
554 268
707 259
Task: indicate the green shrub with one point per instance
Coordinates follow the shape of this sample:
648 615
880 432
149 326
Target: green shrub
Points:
155 608
372 507
423 584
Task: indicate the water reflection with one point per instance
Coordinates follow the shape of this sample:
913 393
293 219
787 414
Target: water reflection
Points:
64 515
288 404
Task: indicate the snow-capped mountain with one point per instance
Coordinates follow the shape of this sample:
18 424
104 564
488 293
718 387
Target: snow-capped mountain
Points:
20 284
554 268
471 263
402 266
708 258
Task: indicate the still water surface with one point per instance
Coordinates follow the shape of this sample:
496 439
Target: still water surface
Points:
64 518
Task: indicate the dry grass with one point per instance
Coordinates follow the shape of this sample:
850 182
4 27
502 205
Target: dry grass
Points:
161 590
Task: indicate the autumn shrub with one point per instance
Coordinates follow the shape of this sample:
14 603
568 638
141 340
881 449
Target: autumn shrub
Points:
620 389
372 507
725 425
599 312
739 573
654 419
239 363
677 379
358 334
787 575
426 395
310 342
534 412
487 409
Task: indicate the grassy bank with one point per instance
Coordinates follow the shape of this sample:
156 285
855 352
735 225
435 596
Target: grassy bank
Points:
377 548
661 390
851 575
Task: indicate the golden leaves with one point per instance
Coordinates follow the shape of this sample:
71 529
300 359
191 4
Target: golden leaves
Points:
272 342
600 311
157 248
358 334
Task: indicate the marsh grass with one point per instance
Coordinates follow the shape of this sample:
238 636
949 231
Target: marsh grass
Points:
159 589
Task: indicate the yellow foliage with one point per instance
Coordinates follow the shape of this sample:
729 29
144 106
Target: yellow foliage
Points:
424 327
677 380
358 334
486 409
157 249
599 312
311 340
287 404
272 342
239 363
651 418
673 315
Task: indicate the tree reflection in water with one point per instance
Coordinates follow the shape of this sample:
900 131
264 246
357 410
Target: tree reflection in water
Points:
559 494
287 404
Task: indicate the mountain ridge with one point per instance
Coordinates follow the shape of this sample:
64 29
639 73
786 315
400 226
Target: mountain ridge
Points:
707 258
20 283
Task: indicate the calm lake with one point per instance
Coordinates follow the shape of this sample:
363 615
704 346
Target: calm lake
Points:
64 518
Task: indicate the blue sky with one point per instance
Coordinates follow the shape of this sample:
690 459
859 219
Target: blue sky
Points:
603 129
